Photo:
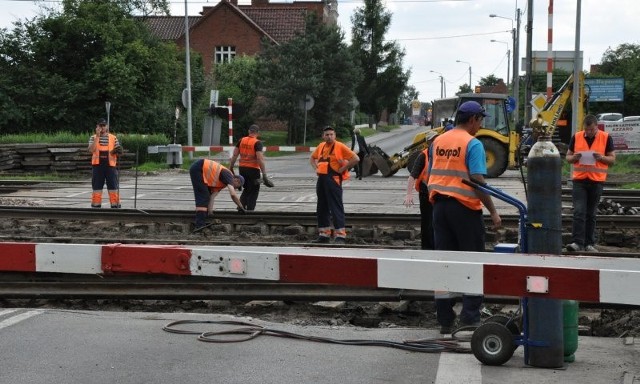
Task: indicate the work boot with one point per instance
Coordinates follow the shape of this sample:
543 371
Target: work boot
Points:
340 240
201 220
574 247
116 206
321 240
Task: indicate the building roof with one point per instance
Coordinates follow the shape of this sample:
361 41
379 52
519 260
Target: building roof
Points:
279 23
168 27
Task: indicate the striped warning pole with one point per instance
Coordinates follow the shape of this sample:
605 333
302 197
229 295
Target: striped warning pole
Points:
550 52
230 106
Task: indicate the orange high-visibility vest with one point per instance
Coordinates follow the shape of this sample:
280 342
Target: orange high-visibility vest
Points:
248 157
424 174
449 168
598 171
332 158
211 174
95 157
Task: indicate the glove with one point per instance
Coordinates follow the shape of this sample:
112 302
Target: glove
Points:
266 181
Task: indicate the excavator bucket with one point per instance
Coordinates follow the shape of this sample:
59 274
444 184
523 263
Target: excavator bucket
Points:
381 160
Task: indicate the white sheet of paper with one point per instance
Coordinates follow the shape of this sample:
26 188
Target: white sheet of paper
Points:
587 158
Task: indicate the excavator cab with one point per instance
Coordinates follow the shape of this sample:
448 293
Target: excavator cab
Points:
500 141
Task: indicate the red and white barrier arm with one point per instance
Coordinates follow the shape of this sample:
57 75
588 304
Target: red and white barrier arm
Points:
269 148
583 278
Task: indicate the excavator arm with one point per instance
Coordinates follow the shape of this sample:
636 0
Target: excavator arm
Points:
547 120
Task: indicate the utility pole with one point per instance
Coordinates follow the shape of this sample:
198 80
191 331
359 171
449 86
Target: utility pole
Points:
528 85
516 66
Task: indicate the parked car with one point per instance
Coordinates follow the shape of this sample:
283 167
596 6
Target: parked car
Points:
609 116
629 118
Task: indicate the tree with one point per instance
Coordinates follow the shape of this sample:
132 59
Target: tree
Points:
623 61
60 68
316 63
464 88
489 81
381 60
238 80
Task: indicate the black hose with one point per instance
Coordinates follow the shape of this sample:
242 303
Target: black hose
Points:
251 331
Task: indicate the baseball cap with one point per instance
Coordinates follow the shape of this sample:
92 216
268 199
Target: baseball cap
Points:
102 122
471 108
241 178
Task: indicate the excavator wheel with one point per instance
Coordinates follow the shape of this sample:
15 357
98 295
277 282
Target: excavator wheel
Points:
496 156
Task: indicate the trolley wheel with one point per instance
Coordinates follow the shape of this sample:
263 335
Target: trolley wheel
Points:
492 344
507 321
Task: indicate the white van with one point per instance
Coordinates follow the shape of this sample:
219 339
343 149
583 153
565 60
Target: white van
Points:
609 116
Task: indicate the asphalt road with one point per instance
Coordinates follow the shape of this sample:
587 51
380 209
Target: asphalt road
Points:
60 346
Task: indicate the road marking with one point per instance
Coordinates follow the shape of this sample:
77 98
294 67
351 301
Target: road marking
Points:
7 311
455 368
18 318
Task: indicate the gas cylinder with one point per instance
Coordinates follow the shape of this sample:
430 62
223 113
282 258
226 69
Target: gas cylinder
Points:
544 234
570 322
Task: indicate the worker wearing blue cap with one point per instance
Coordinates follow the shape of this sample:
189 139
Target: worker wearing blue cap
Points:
457 155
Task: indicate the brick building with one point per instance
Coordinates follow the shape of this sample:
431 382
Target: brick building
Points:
229 28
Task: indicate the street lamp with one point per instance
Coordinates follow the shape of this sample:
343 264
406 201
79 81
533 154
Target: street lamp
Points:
515 35
188 77
443 87
465 62
508 57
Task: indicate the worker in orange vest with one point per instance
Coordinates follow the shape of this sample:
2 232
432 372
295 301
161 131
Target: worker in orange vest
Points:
331 161
208 178
104 148
418 180
250 151
591 152
458 223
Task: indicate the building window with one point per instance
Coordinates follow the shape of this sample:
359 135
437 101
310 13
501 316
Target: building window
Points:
225 54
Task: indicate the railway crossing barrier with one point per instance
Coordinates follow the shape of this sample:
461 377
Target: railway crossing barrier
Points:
582 278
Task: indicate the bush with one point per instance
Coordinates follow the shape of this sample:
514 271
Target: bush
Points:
130 142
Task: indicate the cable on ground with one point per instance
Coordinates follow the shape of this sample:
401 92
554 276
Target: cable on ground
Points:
247 331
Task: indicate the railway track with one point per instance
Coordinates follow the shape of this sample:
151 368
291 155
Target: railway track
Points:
268 218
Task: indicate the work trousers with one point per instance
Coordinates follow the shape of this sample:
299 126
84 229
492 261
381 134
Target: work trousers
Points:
457 228
329 206
586 195
251 187
426 222
100 174
200 189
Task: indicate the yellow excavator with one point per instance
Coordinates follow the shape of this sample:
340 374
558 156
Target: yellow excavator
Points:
501 141
551 120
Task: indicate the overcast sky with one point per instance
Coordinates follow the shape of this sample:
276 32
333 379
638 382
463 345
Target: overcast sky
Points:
438 33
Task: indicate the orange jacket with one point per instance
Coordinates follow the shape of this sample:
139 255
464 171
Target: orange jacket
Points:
598 171
424 174
95 157
332 157
248 157
211 175
449 168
